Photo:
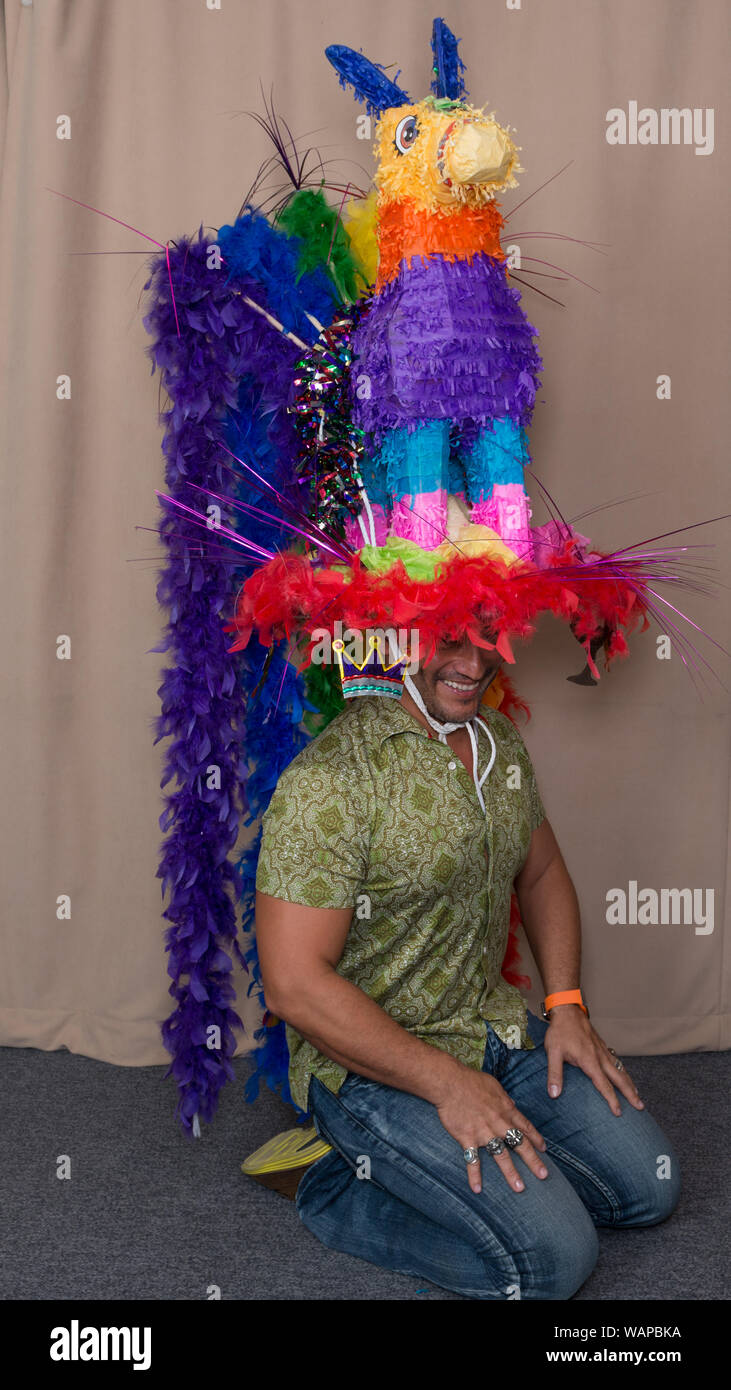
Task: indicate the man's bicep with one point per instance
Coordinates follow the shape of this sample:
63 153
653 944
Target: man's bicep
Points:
534 803
295 943
542 850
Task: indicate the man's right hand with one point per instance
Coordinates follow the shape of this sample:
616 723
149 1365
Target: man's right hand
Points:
477 1109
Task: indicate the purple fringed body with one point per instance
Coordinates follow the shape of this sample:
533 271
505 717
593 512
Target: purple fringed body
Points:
445 340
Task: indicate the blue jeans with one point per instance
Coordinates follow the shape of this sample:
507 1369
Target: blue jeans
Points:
417 1213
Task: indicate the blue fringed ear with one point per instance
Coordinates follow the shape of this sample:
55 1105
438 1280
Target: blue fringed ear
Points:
448 66
368 80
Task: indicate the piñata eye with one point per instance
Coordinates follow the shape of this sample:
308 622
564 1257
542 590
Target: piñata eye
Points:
406 133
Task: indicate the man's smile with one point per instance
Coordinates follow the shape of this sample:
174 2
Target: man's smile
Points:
461 687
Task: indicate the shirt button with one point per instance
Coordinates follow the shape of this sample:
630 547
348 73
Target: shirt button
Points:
451 766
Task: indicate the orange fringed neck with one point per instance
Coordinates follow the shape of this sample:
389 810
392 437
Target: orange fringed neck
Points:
405 231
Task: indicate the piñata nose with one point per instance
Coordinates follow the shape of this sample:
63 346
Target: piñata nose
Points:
479 154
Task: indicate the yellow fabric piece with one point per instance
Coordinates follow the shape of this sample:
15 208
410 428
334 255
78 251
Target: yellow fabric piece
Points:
359 221
291 1149
474 539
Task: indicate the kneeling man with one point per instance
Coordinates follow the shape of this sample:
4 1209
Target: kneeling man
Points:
472 1143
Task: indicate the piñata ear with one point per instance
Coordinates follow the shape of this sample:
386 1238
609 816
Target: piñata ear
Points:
368 80
448 66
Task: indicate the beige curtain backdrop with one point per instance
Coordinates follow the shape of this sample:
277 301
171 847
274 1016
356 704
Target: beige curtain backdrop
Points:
635 773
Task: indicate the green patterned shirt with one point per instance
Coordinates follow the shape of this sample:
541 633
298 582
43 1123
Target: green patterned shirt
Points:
378 816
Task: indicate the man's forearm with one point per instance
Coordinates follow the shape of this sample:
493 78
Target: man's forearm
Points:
344 1023
549 910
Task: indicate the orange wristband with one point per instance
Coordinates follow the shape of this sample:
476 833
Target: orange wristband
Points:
565 996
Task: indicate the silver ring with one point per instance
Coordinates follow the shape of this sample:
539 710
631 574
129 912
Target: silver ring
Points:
513 1138
619 1065
494 1146
471 1156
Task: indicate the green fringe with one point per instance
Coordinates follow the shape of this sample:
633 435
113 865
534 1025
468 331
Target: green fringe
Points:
309 216
419 564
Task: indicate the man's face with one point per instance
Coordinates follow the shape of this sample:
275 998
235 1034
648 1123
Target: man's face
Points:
453 682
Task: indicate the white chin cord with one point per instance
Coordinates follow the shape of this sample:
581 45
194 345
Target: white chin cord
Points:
443 729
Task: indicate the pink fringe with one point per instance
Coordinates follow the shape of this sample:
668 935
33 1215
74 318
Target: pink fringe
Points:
422 518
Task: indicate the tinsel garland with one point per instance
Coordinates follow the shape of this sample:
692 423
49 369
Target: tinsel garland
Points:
331 447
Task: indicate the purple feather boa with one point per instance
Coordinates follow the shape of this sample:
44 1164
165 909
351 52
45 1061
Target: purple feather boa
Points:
221 339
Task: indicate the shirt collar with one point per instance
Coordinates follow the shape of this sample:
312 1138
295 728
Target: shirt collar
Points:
393 718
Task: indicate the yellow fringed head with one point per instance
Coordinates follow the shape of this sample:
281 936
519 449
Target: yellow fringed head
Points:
441 155
437 155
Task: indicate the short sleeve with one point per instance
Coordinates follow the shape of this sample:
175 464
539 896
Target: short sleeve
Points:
536 810
315 838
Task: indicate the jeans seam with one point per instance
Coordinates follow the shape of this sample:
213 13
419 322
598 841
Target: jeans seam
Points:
572 1161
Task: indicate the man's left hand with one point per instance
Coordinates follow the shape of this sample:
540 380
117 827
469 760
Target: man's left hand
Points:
571 1038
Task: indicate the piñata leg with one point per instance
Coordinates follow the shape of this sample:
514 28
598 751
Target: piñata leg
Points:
415 464
494 467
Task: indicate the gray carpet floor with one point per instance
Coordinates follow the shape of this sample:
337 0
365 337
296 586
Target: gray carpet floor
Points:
147 1214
